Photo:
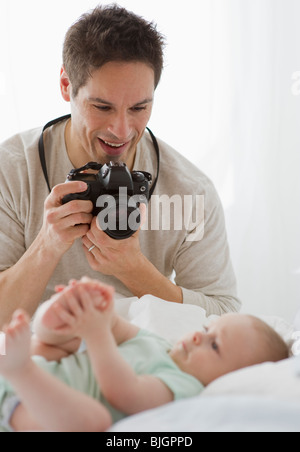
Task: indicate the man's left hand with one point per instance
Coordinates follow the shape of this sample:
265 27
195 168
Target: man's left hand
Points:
117 258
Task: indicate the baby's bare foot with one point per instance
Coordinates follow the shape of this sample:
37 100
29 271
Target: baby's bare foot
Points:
50 318
103 295
17 344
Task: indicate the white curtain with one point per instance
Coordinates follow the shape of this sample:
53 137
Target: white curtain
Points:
255 147
229 101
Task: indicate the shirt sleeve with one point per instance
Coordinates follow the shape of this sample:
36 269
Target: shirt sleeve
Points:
203 266
12 242
11 238
160 364
180 383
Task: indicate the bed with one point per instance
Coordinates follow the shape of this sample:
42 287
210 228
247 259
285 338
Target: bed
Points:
263 398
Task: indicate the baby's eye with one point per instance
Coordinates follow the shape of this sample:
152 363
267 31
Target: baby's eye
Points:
215 346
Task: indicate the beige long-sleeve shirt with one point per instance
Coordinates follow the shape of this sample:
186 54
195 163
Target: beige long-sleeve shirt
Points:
184 236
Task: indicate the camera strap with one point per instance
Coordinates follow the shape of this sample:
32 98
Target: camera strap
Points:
156 147
42 147
64 118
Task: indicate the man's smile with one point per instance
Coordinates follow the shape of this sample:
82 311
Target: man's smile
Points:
114 149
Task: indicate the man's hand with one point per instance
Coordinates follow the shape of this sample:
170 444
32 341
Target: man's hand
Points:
111 257
63 224
124 260
118 258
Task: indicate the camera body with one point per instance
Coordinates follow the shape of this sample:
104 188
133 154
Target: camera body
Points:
116 194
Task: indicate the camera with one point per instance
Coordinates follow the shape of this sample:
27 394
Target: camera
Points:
116 194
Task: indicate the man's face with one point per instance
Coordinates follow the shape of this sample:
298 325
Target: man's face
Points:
110 113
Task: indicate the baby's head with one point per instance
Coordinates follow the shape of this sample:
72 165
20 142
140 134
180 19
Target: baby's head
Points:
231 343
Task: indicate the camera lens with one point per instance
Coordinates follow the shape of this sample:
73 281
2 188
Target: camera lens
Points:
120 218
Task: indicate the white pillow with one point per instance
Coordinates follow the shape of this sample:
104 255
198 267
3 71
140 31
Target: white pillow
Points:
283 328
277 380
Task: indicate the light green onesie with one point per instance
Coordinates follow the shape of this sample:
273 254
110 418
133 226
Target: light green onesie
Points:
147 354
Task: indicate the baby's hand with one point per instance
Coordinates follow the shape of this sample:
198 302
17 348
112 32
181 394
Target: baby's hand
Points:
84 308
103 297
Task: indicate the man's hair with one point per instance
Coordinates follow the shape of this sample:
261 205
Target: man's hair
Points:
107 34
273 348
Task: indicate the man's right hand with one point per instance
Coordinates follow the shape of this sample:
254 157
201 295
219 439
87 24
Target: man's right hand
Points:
64 223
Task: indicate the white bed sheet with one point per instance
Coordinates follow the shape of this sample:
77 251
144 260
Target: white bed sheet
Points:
217 414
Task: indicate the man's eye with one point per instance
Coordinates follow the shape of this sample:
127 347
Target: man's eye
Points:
137 109
102 108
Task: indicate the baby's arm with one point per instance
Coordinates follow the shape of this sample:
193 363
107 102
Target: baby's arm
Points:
102 332
126 391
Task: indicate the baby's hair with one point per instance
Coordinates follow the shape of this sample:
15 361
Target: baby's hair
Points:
275 348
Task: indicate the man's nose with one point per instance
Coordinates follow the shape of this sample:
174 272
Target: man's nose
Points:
120 127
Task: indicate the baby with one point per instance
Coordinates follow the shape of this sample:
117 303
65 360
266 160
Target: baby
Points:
135 369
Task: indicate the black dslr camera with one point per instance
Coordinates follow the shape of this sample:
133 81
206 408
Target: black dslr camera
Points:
116 195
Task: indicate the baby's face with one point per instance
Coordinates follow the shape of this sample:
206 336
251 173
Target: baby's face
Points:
226 345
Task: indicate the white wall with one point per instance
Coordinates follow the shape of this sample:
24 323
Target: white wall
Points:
225 102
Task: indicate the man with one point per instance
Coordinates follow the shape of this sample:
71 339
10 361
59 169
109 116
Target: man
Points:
112 64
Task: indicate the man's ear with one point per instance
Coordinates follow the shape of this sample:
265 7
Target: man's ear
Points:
65 85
